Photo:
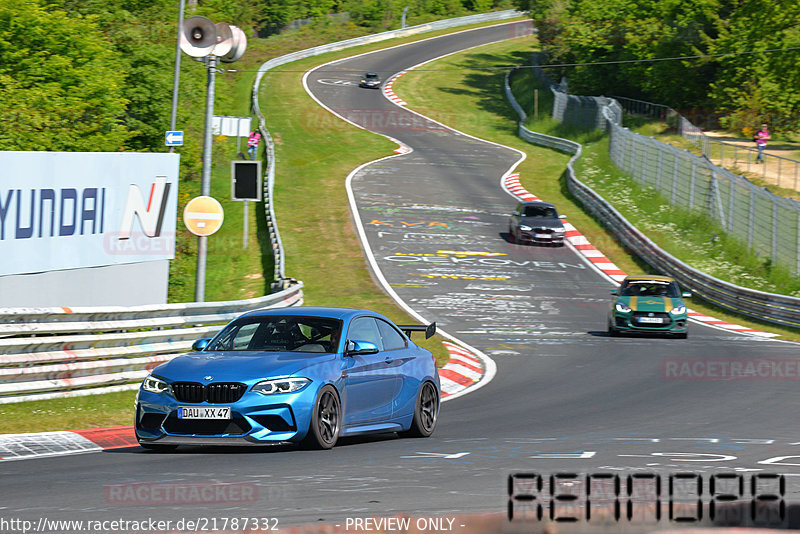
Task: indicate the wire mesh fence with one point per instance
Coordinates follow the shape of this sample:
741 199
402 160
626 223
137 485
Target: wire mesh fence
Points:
767 223
773 169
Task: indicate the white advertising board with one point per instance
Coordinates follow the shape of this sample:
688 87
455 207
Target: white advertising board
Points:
71 210
230 126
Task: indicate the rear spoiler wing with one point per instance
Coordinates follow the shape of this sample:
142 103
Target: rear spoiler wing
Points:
429 330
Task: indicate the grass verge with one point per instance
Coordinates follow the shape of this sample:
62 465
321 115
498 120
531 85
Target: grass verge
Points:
469 84
315 153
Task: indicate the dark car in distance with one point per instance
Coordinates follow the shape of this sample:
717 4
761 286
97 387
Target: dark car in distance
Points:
536 222
371 80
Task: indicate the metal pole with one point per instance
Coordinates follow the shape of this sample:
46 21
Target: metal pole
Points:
244 232
177 76
403 18
205 184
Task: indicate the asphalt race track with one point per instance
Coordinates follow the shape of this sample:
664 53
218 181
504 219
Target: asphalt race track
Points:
566 397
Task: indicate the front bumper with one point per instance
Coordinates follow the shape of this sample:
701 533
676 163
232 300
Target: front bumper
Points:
255 419
541 238
633 322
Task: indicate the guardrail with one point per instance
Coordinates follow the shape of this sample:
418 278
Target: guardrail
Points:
769 307
50 353
269 173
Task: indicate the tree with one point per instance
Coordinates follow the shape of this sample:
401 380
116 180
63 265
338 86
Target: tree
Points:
60 83
759 87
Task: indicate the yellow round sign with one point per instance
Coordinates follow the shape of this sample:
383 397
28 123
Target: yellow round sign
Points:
203 216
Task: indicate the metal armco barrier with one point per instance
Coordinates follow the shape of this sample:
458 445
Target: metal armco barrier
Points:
50 353
269 172
770 307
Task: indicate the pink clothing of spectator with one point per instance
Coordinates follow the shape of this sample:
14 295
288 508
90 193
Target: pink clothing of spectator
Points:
252 143
761 142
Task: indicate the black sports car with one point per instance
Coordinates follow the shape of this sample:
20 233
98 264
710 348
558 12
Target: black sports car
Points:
536 222
371 80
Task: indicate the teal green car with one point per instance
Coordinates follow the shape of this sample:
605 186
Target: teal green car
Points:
649 304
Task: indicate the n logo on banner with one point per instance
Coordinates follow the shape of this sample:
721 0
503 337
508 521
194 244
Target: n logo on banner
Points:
151 216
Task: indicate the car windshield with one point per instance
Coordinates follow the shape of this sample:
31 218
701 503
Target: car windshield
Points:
540 212
371 76
650 288
279 333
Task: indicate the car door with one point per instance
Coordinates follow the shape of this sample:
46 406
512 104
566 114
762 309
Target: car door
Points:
368 383
400 361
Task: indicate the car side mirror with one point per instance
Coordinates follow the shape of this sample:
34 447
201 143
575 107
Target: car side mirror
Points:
201 344
686 294
614 291
357 347
562 216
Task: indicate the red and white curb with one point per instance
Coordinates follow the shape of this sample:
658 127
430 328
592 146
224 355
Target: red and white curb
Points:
44 444
462 371
389 92
606 266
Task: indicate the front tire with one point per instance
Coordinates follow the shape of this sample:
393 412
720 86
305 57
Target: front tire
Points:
426 412
613 332
325 424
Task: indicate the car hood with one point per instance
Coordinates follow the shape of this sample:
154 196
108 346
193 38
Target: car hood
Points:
238 366
541 223
651 304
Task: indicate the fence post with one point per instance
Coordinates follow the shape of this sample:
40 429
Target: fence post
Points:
691 186
659 169
630 166
774 232
732 189
675 177
751 221
646 151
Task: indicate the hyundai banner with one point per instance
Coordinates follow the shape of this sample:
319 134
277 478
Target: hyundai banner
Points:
71 210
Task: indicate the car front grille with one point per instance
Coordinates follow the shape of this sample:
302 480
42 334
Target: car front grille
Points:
215 393
207 427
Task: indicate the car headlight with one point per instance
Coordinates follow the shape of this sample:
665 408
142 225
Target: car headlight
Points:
622 307
560 229
154 385
525 228
280 385
680 310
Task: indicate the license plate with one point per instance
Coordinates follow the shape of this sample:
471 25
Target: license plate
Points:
204 412
543 236
658 320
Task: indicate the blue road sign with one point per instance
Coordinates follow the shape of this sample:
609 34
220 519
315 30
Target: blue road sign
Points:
174 138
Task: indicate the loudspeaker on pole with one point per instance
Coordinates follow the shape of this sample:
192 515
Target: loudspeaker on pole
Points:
224 39
198 36
238 46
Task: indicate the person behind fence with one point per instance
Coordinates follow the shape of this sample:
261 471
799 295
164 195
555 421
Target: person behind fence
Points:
760 138
252 144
